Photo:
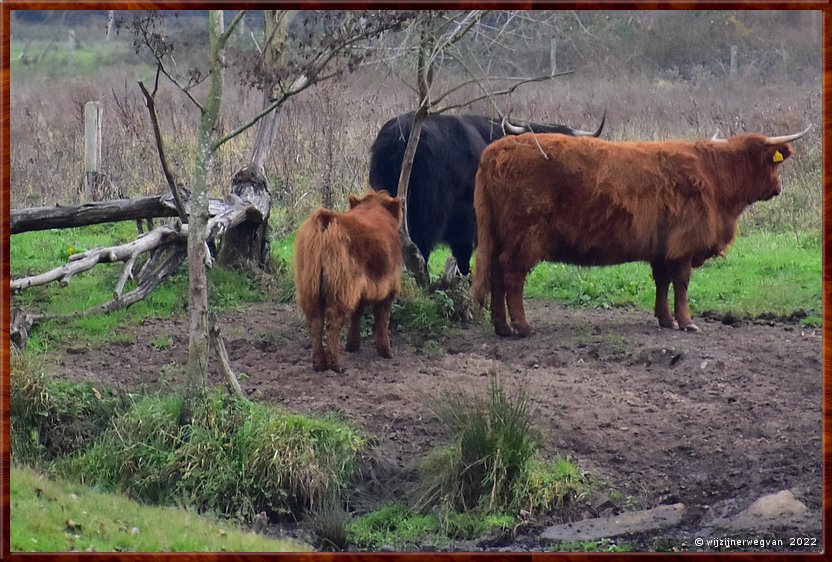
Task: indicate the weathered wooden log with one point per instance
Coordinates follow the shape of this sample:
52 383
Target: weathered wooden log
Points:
44 218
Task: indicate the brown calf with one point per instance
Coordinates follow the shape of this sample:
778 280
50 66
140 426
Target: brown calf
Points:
344 261
589 201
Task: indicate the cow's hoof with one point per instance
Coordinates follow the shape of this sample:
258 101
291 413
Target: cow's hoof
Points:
503 330
523 330
671 324
320 366
692 328
352 347
384 351
336 367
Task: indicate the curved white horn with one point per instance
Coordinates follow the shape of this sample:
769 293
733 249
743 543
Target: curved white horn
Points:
595 133
513 129
716 135
787 138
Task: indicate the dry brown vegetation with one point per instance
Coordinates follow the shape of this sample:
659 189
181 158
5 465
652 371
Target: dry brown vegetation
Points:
650 88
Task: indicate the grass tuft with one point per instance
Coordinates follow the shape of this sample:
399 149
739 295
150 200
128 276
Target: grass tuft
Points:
491 463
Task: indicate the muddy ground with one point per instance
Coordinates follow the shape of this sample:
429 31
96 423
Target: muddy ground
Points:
713 420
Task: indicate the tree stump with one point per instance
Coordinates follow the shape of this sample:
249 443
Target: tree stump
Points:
248 242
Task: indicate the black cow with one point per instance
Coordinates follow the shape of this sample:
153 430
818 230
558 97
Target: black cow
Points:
440 206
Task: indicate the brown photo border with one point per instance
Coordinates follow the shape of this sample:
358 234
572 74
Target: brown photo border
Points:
6 6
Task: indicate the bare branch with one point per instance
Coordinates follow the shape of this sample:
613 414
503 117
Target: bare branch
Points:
230 29
126 274
504 92
87 260
151 107
222 354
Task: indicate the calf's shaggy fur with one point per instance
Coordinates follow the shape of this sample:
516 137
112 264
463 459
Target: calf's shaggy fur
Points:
344 261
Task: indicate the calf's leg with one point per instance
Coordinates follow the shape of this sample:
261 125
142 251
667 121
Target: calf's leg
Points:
382 312
316 333
335 318
354 335
498 302
515 280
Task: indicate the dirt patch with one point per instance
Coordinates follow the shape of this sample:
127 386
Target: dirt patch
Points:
727 415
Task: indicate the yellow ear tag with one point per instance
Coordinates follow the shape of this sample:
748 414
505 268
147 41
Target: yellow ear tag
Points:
777 156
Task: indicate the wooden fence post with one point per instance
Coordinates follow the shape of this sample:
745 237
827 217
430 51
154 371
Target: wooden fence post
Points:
733 71
92 148
553 55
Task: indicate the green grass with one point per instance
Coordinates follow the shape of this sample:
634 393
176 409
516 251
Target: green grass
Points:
394 526
37 252
50 417
55 516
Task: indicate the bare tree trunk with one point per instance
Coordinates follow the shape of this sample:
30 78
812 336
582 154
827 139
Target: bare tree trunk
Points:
249 242
414 261
198 338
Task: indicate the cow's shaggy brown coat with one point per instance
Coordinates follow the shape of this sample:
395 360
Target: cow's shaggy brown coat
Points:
344 261
589 201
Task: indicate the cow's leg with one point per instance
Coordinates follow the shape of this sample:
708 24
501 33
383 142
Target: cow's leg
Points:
515 280
354 335
316 332
680 273
461 250
662 310
498 301
382 334
461 233
335 318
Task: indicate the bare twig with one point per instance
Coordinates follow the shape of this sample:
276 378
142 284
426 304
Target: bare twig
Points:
504 92
151 107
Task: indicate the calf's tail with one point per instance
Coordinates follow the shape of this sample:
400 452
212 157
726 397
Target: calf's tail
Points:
481 282
322 261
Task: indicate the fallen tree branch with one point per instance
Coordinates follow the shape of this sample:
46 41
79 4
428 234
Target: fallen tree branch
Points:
44 218
87 260
175 252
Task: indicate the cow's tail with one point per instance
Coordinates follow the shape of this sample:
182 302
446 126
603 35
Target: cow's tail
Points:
322 262
486 242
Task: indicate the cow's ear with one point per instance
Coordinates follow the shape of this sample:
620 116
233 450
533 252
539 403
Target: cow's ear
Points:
394 205
353 201
777 153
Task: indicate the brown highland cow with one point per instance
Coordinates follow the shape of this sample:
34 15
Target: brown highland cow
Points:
589 201
344 261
